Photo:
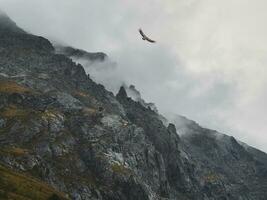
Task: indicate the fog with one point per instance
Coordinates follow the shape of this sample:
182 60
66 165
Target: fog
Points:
209 62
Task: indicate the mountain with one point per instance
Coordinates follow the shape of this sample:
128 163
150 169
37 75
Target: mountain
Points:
80 54
19 186
66 132
7 25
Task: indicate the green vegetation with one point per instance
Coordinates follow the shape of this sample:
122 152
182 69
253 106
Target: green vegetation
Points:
13 114
15 186
120 169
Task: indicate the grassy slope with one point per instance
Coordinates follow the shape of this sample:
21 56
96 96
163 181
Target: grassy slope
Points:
16 186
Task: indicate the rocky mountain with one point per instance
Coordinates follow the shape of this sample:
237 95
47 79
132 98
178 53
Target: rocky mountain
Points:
80 54
61 130
136 96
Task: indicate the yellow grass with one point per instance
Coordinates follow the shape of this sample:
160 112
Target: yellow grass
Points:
13 111
50 114
16 186
15 151
12 87
81 94
211 178
120 169
89 111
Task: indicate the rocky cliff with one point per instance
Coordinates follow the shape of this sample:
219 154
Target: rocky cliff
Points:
59 127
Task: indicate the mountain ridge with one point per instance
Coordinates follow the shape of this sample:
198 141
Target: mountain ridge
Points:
82 140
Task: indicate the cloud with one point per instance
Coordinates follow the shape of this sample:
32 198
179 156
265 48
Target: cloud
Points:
209 62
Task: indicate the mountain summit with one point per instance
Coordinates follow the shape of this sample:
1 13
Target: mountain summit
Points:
7 25
69 138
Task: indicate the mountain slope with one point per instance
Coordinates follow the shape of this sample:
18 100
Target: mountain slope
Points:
63 128
21 187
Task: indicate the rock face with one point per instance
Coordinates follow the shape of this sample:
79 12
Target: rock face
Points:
60 127
80 54
136 96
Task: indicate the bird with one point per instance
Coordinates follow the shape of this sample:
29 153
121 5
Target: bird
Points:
144 37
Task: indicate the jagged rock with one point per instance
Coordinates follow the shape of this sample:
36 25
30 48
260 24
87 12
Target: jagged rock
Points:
7 25
122 94
2 123
59 126
172 129
81 54
136 95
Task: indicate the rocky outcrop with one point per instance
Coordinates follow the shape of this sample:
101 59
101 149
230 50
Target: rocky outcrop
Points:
136 96
59 126
81 54
7 25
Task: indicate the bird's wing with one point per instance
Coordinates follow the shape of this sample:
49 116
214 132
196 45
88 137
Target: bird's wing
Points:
149 40
142 33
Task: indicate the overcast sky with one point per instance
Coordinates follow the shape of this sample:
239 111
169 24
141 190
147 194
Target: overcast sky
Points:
209 62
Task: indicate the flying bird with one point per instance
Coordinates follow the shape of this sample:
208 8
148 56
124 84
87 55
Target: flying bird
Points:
144 37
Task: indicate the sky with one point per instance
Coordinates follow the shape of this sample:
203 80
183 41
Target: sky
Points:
209 62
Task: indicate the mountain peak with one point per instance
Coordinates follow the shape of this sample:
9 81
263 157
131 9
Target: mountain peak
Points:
122 93
13 38
8 25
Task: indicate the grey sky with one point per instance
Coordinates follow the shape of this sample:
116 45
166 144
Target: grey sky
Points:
209 63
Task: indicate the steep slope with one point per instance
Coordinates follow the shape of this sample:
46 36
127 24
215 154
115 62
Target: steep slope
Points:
224 166
15 186
60 127
7 25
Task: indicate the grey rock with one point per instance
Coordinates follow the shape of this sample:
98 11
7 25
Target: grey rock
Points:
80 54
2 123
65 129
